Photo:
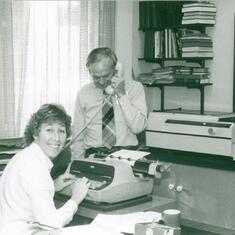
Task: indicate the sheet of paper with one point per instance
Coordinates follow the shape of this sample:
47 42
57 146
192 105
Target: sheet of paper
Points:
125 223
128 156
89 230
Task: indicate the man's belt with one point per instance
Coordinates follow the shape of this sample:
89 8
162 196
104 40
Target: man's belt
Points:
103 151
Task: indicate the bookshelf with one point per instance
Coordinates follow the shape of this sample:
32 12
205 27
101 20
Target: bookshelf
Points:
176 31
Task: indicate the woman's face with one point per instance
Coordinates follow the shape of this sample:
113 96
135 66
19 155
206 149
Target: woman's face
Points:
51 138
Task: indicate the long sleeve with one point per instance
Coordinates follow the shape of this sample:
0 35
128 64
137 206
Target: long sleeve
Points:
133 106
40 190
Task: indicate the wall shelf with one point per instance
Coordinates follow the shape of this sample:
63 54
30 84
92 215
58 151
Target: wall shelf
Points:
201 88
161 61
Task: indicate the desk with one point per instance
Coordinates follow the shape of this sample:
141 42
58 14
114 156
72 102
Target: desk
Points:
156 204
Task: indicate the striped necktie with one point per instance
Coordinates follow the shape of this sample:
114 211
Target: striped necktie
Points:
108 123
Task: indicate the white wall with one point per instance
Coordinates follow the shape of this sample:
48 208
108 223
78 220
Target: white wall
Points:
123 33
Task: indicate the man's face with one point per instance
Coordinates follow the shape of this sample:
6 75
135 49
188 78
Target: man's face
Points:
51 138
102 73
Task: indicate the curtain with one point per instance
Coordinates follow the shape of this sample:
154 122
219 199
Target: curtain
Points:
106 25
47 54
7 100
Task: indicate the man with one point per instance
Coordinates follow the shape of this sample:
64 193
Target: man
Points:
128 102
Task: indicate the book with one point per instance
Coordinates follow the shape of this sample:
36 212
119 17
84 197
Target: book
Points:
169 43
199 69
198 49
190 76
174 45
166 43
197 54
196 43
149 45
196 37
185 81
199 13
198 21
198 8
158 44
199 4
201 17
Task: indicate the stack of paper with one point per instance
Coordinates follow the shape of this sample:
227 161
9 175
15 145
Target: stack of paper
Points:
125 223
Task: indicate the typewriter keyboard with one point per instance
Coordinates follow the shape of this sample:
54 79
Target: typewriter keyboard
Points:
97 184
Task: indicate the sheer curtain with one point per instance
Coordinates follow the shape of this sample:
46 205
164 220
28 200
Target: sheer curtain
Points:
50 43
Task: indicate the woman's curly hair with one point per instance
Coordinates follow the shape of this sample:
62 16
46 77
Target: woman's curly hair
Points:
45 114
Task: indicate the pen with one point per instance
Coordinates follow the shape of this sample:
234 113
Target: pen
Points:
42 225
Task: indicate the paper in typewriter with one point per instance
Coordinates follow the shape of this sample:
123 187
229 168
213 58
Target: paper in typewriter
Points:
128 156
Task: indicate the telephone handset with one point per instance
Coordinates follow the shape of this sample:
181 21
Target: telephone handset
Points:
109 90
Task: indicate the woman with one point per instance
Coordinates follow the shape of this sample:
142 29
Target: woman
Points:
26 187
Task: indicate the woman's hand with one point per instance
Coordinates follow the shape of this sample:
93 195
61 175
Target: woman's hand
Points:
64 180
80 189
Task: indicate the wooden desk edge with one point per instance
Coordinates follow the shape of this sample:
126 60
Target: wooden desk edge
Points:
156 204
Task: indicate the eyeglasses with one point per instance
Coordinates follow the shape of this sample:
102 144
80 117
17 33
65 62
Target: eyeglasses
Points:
103 77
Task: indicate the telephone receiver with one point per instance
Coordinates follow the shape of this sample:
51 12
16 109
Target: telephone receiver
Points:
109 90
119 72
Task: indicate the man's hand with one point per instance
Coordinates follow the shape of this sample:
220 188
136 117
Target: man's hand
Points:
80 189
119 86
64 180
117 82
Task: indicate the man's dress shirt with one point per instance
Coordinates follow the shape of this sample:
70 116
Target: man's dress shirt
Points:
130 113
27 191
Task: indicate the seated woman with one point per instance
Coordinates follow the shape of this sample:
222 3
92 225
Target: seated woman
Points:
26 186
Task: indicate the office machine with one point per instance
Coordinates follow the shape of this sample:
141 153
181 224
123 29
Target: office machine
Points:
208 134
113 180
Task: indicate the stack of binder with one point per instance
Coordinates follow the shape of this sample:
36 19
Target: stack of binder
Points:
192 75
163 75
146 78
199 13
8 148
196 45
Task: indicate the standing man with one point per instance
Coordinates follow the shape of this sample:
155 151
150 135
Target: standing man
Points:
125 114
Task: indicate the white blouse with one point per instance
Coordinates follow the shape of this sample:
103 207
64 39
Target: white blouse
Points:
27 191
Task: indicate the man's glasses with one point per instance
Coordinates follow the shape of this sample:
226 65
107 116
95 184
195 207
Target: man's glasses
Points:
104 77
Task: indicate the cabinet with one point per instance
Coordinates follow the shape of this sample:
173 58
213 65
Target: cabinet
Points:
168 40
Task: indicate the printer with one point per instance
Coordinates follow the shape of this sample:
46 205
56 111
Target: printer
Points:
113 180
209 134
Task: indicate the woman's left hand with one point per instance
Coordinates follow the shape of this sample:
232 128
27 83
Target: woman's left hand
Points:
64 180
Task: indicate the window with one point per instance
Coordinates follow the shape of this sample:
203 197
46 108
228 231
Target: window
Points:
45 45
